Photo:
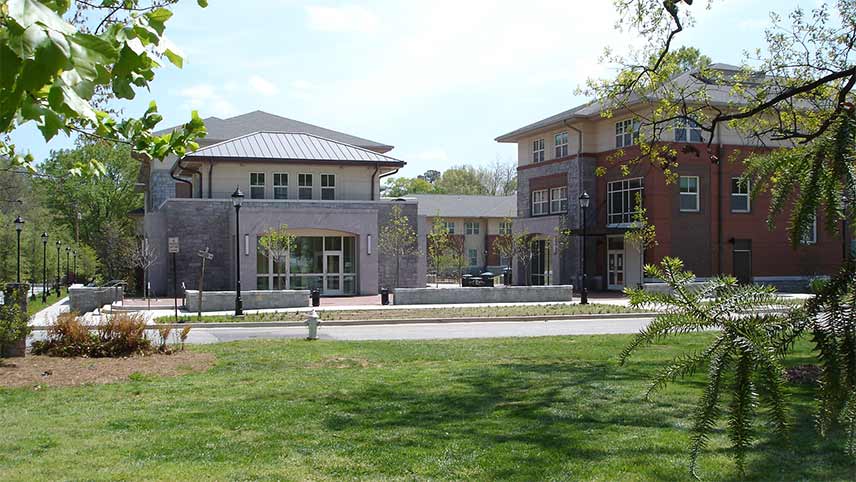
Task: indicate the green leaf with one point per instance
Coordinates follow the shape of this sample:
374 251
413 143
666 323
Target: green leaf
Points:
11 65
39 72
202 3
27 13
174 58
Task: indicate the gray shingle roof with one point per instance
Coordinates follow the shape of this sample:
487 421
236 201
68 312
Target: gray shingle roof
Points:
460 206
717 94
259 121
290 146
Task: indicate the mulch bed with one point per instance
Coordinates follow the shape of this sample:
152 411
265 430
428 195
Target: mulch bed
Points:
44 371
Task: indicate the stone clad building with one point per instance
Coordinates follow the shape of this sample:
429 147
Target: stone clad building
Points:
323 184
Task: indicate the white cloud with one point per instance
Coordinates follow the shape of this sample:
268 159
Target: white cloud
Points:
347 18
207 99
263 86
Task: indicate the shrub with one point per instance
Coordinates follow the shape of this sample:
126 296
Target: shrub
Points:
123 334
13 325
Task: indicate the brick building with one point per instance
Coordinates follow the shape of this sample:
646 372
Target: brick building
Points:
706 218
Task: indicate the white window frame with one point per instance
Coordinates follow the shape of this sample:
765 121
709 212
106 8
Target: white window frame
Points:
685 128
257 185
623 215
739 193
538 150
540 202
560 141
694 194
279 187
810 237
625 128
473 257
301 186
505 228
450 226
559 199
328 188
472 228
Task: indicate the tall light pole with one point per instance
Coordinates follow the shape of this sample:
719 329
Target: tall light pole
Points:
67 277
74 269
584 204
19 226
237 200
44 267
58 278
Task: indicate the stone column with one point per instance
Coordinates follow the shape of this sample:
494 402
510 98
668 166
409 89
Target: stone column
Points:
16 293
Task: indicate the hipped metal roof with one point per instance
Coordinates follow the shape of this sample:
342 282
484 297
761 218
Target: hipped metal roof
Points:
290 146
465 206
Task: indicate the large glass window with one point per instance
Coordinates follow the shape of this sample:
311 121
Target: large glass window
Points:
740 202
270 274
304 186
559 200
257 185
538 150
689 193
621 200
560 140
539 202
626 132
280 185
328 187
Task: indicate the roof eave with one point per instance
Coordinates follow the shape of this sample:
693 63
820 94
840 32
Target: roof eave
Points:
389 163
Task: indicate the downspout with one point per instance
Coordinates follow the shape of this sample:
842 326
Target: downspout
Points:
579 186
390 173
210 177
719 200
172 175
374 177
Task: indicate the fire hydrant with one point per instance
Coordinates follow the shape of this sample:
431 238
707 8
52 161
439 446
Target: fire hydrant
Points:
312 323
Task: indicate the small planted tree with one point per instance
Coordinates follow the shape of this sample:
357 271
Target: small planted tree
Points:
277 242
458 255
439 246
398 239
143 257
642 233
516 246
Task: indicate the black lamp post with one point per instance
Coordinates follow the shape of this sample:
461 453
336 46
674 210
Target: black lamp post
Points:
44 267
237 199
67 277
19 226
584 204
58 279
74 268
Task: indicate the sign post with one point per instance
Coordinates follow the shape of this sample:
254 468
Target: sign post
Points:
205 254
173 250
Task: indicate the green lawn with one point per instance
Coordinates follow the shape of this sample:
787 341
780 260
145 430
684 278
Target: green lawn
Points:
386 314
34 306
521 409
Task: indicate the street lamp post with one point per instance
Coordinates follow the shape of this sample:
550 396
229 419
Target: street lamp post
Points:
74 268
44 267
19 226
584 204
237 200
58 278
67 277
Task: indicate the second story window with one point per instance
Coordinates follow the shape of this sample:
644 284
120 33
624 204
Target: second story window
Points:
810 234
450 226
280 185
328 187
472 228
539 202
505 229
740 202
689 193
687 130
304 186
626 132
621 200
561 143
559 200
538 150
257 185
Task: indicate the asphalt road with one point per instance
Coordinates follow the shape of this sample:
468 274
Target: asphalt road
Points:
429 331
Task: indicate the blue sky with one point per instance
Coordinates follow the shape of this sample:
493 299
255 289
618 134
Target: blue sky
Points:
439 80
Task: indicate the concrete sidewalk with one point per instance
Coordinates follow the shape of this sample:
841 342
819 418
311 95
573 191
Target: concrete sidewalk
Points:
48 315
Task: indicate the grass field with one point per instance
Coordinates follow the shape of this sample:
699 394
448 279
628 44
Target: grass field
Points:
519 409
34 306
386 314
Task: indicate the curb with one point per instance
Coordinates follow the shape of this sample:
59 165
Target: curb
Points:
403 321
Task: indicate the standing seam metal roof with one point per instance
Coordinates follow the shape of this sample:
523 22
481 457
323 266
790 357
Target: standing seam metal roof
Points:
290 145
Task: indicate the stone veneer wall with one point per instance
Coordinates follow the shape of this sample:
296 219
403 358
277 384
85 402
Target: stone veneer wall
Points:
502 294
251 300
84 299
161 188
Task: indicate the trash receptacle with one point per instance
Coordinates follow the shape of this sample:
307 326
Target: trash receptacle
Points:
487 279
466 280
506 277
316 297
384 296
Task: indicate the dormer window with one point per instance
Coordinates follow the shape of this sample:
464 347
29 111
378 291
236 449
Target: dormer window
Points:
626 133
561 143
538 150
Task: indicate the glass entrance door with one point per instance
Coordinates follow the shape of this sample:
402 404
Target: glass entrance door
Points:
615 263
333 273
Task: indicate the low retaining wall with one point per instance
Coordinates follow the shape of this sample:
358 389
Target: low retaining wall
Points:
83 299
252 300
500 294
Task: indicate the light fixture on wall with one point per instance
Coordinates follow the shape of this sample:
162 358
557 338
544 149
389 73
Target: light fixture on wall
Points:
369 244
246 245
